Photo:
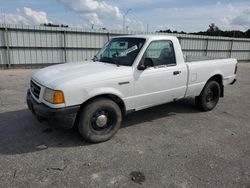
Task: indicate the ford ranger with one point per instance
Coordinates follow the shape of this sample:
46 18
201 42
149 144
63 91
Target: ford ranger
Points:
129 73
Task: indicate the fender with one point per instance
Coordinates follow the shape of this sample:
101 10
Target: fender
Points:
108 92
103 91
216 72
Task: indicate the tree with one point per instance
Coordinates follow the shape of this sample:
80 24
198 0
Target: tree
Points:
53 25
247 33
213 28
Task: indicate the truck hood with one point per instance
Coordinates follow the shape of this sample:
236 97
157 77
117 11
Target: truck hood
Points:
87 72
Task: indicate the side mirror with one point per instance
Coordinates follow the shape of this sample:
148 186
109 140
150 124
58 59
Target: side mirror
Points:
147 62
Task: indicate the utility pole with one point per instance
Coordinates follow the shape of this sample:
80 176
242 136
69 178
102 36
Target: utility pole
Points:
2 13
4 17
124 18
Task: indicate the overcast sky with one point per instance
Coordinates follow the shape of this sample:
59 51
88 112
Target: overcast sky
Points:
186 15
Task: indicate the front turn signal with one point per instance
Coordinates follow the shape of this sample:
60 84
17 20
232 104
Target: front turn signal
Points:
58 97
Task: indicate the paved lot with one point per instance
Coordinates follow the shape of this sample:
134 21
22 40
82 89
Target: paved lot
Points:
172 145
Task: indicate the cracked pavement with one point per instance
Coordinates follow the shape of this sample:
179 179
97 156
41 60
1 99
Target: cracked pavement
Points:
172 145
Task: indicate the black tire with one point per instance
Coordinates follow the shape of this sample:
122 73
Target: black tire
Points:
209 96
99 120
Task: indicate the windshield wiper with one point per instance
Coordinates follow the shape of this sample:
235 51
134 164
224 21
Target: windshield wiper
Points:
110 60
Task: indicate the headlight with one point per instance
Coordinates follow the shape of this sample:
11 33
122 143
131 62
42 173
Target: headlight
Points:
53 96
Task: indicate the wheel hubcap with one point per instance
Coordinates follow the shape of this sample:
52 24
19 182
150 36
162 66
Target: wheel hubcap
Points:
101 120
210 96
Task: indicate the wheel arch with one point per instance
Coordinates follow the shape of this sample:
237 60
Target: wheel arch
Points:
110 96
218 78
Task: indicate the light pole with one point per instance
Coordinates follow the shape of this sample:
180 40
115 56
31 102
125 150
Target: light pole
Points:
124 18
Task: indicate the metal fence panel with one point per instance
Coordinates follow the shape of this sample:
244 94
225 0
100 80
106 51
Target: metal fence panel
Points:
240 45
21 44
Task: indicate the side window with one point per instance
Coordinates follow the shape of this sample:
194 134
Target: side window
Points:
161 53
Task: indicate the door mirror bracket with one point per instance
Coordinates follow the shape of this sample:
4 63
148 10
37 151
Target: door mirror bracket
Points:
144 64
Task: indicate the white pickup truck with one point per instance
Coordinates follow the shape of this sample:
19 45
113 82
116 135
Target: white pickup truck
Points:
129 73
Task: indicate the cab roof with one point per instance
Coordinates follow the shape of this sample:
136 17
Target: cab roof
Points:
150 37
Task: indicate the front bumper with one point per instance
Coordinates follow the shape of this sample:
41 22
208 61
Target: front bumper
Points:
64 117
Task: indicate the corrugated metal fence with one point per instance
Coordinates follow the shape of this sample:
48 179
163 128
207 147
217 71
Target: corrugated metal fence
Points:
28 45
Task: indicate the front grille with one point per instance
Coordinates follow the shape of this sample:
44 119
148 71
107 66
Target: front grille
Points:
35 89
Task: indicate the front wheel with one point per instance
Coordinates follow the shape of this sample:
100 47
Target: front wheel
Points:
99 120
209 96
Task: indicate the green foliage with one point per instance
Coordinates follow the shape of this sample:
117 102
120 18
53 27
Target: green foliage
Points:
53 25
213 30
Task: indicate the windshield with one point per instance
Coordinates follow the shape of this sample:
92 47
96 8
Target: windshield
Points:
120 51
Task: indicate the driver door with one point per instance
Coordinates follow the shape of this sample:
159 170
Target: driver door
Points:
162 82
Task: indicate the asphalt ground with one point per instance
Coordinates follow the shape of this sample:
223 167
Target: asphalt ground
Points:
172 145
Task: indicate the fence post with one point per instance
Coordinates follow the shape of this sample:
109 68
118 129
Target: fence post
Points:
231 48
180 40
206 49
64 45
108 36
6 41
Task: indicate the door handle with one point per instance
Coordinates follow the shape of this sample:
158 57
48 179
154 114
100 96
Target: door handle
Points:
176 72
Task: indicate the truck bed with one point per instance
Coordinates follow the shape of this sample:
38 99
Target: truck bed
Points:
190 59
200 71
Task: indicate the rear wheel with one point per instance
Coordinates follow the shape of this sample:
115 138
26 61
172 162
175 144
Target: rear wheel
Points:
99 120
209 96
